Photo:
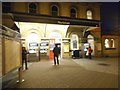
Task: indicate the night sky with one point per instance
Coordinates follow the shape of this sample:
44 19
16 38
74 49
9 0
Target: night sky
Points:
109 18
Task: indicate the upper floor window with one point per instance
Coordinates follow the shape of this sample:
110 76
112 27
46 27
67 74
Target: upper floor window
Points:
89 14
109 43
54 10
32 8
73 12
6 7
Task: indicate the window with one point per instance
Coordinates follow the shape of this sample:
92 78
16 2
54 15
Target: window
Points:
106 43
112 43
32 8
6 7
109 43
73 12
89 14
74 42
54 10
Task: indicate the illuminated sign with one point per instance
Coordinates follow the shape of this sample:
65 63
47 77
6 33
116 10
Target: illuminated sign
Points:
44 44
63 22
33 44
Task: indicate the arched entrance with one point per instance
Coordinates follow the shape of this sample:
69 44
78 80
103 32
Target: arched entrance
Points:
33 46
90 40
55 38
33 42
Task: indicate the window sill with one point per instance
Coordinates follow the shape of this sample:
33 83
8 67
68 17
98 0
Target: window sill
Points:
110 48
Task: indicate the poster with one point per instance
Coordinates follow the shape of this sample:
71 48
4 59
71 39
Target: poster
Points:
66 47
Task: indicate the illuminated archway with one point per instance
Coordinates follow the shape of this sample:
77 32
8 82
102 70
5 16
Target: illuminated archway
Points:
33 37
33 40
90 40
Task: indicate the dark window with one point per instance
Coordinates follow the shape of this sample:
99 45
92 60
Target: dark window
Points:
54 11
73 13
6 7
32 8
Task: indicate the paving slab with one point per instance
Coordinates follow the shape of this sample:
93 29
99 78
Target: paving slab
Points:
72 73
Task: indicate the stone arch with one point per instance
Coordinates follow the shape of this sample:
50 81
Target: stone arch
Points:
25 34
90 40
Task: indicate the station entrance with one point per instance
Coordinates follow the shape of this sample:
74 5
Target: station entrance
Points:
40 39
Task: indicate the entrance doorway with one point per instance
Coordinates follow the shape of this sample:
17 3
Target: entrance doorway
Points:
33 46
90 39
56 36
33 43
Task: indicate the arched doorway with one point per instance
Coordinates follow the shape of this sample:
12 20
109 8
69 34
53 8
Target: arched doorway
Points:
33 47
55 38
33 44
90 40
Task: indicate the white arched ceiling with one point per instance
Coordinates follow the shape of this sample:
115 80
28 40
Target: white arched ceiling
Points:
62 29
41 28
26 28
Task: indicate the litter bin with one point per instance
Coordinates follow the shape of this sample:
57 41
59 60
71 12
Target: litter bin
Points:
76 54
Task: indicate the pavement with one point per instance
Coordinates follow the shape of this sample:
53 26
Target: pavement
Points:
72 73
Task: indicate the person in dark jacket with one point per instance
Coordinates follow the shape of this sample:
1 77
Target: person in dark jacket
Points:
24 57
56 52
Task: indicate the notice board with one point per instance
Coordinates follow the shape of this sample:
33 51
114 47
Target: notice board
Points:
12 55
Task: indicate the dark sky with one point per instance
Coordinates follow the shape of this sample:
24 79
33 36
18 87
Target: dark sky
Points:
109 18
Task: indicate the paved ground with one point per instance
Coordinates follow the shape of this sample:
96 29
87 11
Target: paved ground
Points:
72 73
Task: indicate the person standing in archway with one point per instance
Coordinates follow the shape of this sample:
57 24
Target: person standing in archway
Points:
56 52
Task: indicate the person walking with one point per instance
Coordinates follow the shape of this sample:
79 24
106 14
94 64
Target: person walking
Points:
24 58
56 52
90 52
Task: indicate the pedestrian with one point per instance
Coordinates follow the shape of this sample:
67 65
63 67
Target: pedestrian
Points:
24 57
56 52
89 52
